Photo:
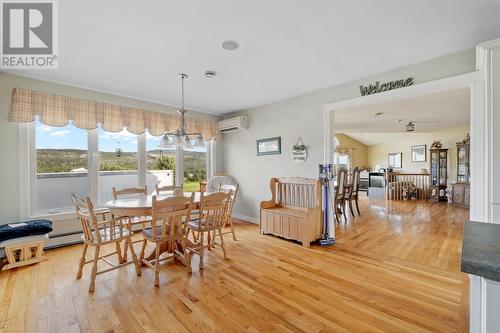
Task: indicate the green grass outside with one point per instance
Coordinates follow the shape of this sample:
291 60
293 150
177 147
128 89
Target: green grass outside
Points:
191 186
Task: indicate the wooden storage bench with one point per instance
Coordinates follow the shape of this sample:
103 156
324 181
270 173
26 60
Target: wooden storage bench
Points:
24 251
294 212
23 242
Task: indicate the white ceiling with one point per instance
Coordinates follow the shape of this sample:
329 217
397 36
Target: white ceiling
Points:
288 47
429 113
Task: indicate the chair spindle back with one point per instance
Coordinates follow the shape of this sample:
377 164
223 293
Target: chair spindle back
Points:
85 213
213 208
355 181
129 191
169 216
341 181
169 188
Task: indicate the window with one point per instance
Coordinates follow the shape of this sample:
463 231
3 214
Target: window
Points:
61 167
118 162
342 161
341 157
160 163
195 167
62 160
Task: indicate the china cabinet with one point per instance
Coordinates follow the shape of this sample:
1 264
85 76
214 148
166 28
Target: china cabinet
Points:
439 174
461 189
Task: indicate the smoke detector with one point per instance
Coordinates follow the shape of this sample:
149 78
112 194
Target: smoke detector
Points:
210 74
230 45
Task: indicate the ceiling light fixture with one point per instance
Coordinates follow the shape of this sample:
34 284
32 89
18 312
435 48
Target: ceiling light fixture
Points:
210 74
230 45
181 137
410 127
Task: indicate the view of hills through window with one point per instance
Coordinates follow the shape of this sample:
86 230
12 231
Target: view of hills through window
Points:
60 149
64 150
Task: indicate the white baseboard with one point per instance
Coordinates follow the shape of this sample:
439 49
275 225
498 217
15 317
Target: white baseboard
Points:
250 219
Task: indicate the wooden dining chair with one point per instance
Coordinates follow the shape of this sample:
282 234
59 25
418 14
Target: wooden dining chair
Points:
168 224
129 191
233 191
98 234
340 193
212 210
169 188
132 221
352 195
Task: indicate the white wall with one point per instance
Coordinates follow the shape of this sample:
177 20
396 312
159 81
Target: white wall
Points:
303 116
9 132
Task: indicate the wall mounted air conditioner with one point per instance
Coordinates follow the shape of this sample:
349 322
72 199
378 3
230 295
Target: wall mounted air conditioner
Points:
234 124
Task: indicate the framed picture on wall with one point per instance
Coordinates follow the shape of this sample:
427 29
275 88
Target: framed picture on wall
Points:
419 153
395 160
271 146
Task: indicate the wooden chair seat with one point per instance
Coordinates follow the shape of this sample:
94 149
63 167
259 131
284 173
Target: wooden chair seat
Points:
195 225
148 234
109 235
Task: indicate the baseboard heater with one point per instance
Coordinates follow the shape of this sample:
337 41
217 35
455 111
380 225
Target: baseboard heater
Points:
63 239
68 238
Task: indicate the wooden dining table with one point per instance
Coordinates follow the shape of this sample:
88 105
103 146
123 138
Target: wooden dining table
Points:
142 206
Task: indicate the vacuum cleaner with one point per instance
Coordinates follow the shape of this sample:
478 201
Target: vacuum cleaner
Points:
325 176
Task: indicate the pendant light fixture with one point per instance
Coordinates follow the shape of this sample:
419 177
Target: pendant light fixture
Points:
182 138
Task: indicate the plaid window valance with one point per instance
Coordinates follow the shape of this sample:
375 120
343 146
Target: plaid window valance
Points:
56 110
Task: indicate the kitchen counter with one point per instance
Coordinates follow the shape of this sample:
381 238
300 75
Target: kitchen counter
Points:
481 250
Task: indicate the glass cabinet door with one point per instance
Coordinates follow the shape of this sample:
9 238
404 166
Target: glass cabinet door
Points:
462 164
442 168
463 173
434 168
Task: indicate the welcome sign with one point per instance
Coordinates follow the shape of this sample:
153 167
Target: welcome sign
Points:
378 87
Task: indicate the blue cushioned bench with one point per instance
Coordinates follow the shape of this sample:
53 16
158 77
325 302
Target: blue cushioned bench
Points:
23 242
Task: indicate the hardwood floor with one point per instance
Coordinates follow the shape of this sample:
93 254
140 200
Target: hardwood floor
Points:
394 269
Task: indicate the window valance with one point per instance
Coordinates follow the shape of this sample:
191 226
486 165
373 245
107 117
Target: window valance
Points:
56 110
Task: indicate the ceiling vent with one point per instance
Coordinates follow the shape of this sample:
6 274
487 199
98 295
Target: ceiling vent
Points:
234 124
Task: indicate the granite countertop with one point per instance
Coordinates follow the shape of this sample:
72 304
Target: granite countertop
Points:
481 249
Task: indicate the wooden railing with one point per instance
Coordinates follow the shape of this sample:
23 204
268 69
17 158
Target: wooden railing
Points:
405 186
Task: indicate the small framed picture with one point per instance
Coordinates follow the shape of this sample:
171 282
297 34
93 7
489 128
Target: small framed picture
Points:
395 160
419 153
271 146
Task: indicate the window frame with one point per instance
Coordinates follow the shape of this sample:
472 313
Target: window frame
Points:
27 169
